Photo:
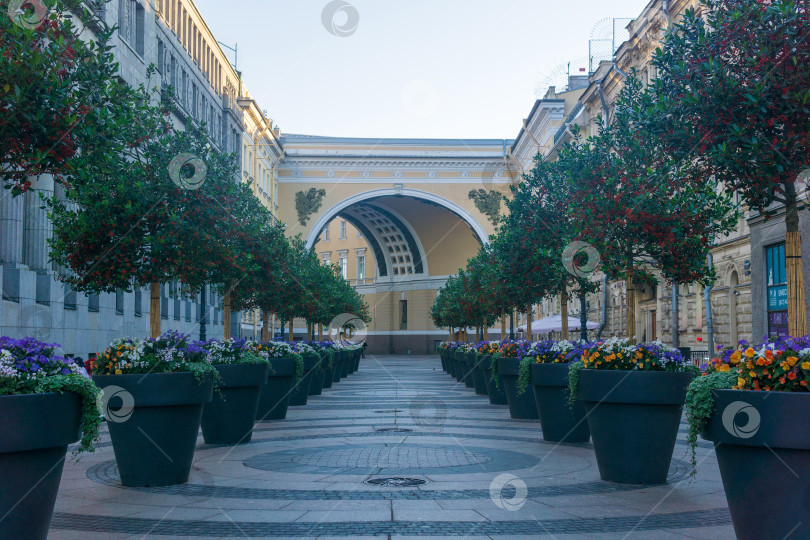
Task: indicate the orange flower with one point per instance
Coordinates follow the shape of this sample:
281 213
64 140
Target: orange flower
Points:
769 354
761 361
792 376
792 360
749 352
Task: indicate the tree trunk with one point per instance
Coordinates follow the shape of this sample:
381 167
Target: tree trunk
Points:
265 327
583 316
564 314
291 337
503 324
631 308
154 309
320 332
676 328
529 323
226 317
797 314
484 332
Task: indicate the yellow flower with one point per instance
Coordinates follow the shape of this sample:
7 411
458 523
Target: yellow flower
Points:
752 374
749 352
792 360
805 365
740 382
118 372
620 356
735 357
723 367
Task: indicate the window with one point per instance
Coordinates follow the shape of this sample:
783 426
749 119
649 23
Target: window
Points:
343 262
361 266
119 302
92 302
178 306
161 65
70 297
326 234
776 276
140 19
327 259
403 314
138 303
343 230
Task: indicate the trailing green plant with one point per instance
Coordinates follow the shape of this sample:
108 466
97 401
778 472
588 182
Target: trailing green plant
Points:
700 405
573 379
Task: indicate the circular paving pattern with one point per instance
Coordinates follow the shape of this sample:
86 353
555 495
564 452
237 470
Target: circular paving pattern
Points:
385 457
399 459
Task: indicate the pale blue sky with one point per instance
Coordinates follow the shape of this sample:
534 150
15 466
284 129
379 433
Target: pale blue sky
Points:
418 68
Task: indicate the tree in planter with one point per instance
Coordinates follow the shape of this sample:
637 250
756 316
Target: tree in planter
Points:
63 107
639 206
735 86
138 219
542 227
493 294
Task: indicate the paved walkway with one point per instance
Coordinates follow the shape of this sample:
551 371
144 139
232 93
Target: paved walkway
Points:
487 476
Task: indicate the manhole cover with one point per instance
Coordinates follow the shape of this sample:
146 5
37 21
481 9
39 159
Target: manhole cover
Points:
388 411
396 481
393 430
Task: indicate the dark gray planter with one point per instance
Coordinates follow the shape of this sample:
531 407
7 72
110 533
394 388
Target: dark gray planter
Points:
559 421
443 359
155 445
300 390
479 383
357 354
36 430
319 376
344 363
338 366
521 406
633 417
229 417
329 370
763 450
496 392
458 368
466 371
275 396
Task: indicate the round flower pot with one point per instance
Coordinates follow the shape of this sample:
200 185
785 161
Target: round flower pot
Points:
36 430
228 418
300 391
633 417
344 364
763 451
458 368
155 445
318 377
329 371
451 363
559 421
479 383
275 396
338 366
466 371
521 406
496 393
